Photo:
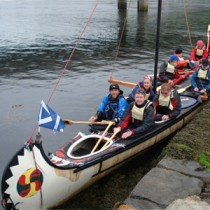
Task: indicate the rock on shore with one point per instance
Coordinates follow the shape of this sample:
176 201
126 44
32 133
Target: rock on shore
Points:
189 203
170 180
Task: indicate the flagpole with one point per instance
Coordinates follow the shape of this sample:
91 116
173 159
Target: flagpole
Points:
157 43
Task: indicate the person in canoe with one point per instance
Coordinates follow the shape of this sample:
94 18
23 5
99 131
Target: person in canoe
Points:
146 84
168 70
167 103
138 118
183 63
201 78
199 52
111 108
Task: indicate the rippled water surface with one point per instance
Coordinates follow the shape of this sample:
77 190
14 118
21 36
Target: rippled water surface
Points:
36 39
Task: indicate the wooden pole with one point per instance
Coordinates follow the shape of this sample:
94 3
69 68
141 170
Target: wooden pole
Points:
142 5
122 4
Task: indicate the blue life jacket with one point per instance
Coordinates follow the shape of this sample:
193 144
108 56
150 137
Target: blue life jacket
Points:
111 109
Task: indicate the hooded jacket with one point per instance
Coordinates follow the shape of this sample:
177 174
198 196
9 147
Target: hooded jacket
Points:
112 109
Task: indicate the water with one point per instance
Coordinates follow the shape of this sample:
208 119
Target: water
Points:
36 38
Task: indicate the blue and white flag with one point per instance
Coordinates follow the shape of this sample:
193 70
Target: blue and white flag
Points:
49 119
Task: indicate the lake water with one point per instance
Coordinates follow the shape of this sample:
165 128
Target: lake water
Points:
36 39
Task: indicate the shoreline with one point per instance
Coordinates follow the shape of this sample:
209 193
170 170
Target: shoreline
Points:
183 170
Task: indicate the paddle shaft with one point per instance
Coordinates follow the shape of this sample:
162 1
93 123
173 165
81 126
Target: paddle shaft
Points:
102 136
81 122
183 89
110 139
119 82
185 72
131 84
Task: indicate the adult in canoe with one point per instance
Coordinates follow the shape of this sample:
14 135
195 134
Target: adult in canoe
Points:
183 63
167 103
201 78
168 70
199 52
146 85
138 118
112 106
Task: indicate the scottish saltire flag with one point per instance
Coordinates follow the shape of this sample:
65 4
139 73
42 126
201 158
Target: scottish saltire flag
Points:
49 119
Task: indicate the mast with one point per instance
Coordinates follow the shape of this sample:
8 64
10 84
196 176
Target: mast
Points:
157 43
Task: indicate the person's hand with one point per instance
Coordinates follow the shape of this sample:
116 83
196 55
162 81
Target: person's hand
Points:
196 89
93 118
170 82
117 130
105 122
165 117
183 77
126 134
203 91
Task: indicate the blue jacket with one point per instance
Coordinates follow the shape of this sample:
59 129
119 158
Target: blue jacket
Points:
112 109
200 84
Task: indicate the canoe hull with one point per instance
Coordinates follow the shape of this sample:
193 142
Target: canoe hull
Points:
33 180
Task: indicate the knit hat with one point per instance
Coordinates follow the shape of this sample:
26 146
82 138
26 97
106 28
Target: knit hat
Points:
114 86
148 77
205 62
173 58
200 43
178 51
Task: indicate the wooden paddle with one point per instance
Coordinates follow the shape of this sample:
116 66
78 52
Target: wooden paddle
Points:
70 122
185 72
130 84
119 82
102 136
183 89
110 139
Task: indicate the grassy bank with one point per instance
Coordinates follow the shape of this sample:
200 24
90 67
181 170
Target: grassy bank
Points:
193 141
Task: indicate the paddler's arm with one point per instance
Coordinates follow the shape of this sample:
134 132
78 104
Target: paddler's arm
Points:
126 117
123 104
208 86
205 54
193 79
132 94
176 103
192 55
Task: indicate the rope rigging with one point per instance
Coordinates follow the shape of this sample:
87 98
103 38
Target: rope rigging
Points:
67 62
119 43
187 23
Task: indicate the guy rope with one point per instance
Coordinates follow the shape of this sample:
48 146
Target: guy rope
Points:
118 46
187 24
